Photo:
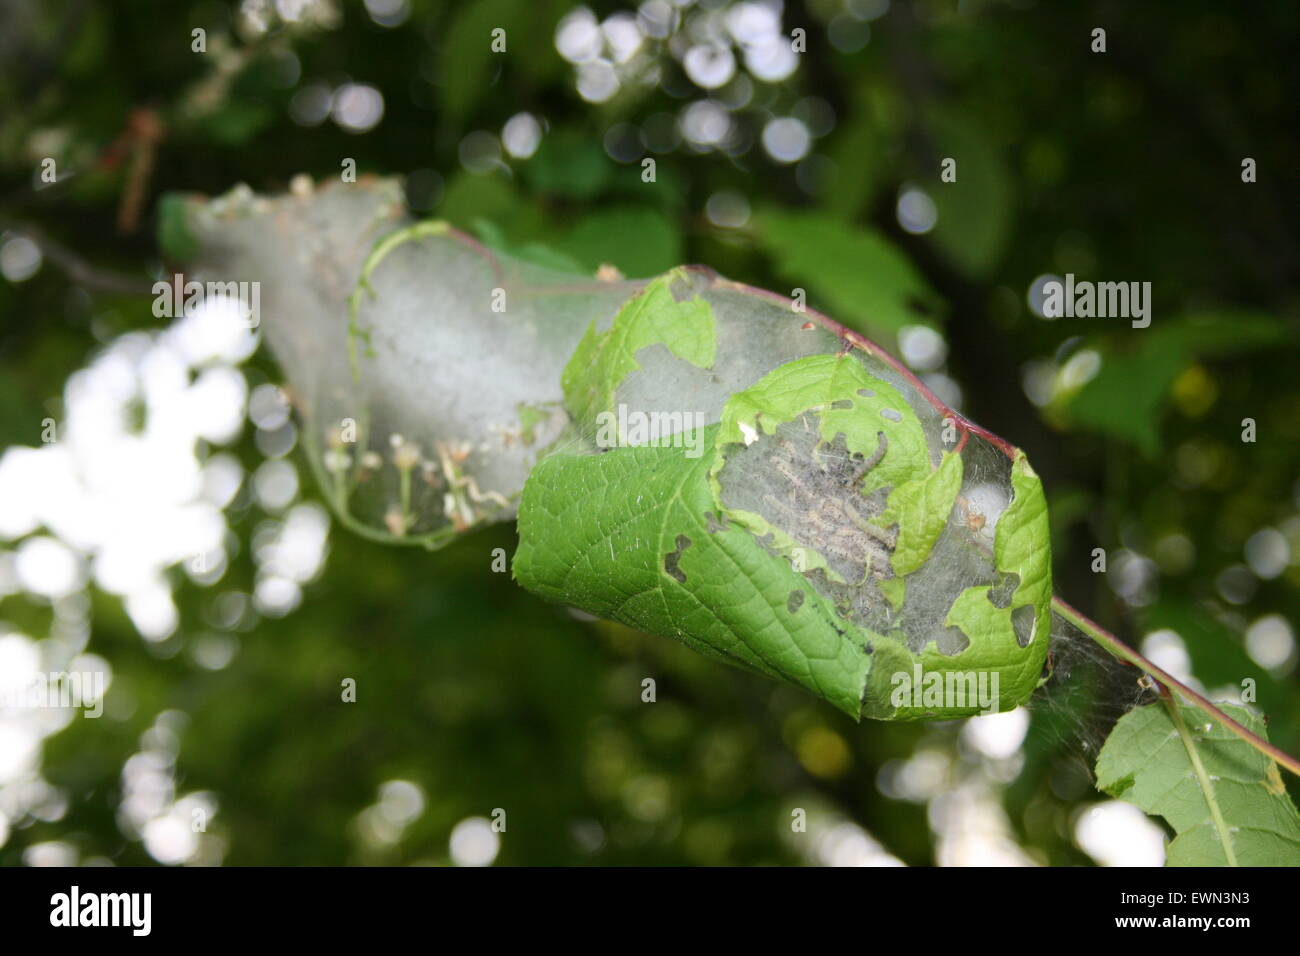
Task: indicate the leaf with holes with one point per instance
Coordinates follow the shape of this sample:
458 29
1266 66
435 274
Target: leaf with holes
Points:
633 535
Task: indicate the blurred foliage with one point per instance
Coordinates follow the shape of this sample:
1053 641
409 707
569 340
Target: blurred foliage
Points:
1122 166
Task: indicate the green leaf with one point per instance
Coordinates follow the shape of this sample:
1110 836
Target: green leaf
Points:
1145 762
1015 649
653 316
1022 546
570 165
865 281
1127 395
650 538
472 200
921 508
89 46
235 123
175 239
468 53
865 144
975 211
537 253
638 240
633 535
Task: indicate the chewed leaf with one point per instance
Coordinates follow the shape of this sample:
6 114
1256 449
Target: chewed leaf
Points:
1145 762
651 317
633 535
847 400
1010 633
1021 547
920 508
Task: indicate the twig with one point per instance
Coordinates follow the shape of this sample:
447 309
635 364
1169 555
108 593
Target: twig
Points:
1126 653
76 268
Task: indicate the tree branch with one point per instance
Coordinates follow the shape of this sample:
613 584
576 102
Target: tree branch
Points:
1126 653
75 267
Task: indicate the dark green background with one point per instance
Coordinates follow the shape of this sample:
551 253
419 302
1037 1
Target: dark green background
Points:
1122 166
